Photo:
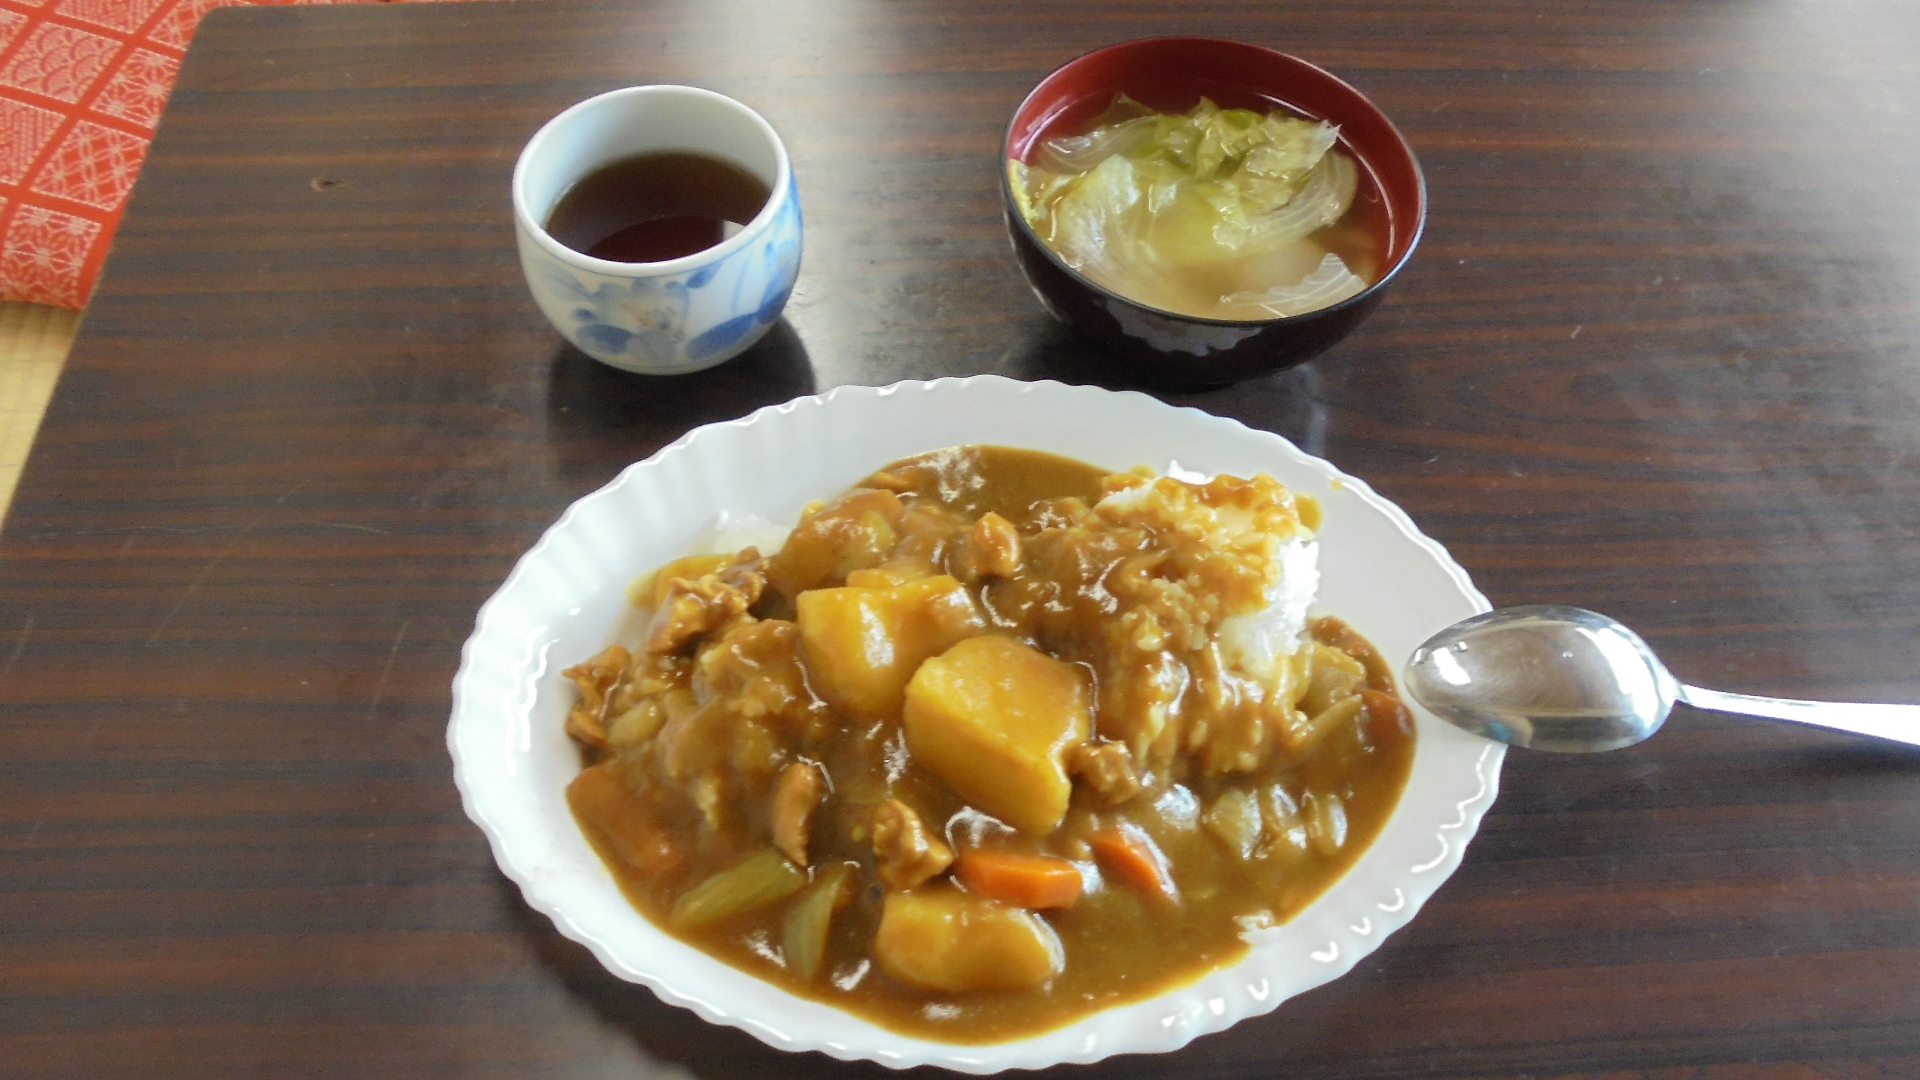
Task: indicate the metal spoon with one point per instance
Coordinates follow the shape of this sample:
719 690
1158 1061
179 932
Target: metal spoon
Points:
1571 680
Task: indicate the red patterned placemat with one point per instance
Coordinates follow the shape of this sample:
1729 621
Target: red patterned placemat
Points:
82 83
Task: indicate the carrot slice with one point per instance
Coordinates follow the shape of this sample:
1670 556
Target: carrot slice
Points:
1128 853
1028 881
1387 709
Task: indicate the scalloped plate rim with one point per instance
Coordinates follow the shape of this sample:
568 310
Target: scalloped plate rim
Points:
1201 1015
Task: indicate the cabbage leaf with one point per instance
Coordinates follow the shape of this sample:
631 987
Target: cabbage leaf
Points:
1149 203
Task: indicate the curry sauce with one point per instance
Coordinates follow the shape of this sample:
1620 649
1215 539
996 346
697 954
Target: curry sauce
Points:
994 740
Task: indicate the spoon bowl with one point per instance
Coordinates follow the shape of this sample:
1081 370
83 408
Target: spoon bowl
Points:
1565 679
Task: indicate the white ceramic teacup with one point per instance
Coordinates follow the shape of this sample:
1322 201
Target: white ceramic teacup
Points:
684 314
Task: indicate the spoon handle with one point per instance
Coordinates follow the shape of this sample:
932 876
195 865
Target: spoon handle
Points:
1900 723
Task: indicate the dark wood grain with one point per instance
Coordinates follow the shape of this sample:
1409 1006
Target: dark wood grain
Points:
1656 356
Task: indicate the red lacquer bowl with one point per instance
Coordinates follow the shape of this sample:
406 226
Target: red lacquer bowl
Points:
1172 74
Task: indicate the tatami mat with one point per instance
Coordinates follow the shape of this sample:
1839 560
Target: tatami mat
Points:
33 344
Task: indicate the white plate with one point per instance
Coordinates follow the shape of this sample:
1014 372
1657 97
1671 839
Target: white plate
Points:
512 760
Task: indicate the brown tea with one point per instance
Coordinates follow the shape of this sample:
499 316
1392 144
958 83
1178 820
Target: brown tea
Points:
655 207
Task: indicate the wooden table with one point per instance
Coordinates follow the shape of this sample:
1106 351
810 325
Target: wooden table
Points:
1656 356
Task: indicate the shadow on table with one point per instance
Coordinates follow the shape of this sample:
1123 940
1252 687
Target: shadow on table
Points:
599 415
1863 757
667 1041
1052 351
1290 402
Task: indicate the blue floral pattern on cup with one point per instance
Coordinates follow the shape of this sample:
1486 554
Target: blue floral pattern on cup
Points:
666 324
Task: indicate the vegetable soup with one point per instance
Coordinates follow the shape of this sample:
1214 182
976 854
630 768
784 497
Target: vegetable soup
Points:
1233 214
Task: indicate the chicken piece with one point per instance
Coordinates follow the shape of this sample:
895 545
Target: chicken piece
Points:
690 607
691 752
907 853
799 791
1107 769
638 704
755 665
596 678
991 549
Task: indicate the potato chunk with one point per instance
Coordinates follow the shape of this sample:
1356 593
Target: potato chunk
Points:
943 939
863 644
857 530
994 718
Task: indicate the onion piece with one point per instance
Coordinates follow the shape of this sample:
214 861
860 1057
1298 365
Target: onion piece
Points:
1079 153
1330 283
1329 190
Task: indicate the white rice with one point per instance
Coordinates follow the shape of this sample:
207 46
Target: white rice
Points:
729 532
1256 641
